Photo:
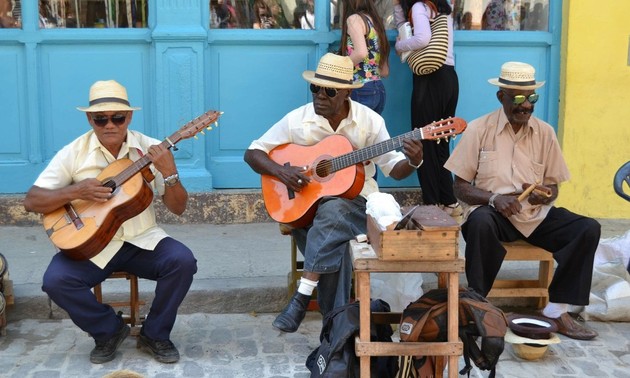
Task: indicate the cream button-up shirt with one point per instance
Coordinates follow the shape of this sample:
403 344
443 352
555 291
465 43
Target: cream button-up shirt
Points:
86 157
363 127
491 157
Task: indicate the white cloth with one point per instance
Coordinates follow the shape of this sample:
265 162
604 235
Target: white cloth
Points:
610 288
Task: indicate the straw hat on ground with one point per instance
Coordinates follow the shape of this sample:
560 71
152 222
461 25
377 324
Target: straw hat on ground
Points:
333 71
108 96
517 75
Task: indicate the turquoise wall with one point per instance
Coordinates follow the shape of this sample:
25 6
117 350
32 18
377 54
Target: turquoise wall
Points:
178 68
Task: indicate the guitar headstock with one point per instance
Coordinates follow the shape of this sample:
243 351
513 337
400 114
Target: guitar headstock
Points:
198 124
444 129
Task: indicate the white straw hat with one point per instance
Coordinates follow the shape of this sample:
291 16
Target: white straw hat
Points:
107 96
333 71
517 75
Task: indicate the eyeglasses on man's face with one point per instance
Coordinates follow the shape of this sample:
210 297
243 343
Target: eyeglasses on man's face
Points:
330 92
520 99
117 119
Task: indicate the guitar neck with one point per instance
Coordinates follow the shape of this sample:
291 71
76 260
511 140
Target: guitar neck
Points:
139 164
367 153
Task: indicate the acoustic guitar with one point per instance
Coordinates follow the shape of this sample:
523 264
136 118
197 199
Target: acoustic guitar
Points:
81 229
335 169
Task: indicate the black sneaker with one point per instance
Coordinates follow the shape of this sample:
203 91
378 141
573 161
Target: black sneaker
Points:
105 351
163 350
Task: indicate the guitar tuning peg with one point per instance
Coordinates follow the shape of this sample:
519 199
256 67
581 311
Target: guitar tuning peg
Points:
195 137
209 128
216 123
439 140
202 132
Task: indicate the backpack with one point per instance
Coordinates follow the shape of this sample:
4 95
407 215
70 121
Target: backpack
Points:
425 320
335 357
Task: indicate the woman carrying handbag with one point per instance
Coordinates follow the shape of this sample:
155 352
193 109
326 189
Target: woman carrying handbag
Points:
434 97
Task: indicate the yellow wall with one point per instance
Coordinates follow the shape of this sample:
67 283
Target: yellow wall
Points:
595 105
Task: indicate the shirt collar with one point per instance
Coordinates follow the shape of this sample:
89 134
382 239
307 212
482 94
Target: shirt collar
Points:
502 121
131 143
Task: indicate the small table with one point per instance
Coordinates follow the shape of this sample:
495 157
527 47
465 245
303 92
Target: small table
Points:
365 261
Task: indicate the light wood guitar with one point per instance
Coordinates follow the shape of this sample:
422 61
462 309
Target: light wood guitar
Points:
335 169
81 229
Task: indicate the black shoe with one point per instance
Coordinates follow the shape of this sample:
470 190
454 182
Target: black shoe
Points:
105 351
290 318
163 350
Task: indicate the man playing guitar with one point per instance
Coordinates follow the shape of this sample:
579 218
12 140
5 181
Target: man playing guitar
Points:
336 220
139 246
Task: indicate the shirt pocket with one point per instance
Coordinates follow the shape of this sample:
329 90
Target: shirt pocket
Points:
537 173
487 166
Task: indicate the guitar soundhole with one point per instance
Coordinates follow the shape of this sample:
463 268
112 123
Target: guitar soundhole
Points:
110 184
323 169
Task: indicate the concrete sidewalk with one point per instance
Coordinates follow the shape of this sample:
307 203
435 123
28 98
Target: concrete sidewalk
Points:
224 327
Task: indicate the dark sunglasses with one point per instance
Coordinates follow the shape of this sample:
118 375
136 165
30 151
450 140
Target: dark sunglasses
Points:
519 99
330 92
117 119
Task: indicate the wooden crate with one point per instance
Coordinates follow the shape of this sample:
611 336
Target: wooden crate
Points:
435 239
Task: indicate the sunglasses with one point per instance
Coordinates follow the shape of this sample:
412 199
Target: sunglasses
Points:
330 92
117 119
519 99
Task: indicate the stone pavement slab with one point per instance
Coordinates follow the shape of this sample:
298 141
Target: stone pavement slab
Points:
246 345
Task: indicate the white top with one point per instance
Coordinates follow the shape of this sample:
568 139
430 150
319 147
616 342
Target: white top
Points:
86 157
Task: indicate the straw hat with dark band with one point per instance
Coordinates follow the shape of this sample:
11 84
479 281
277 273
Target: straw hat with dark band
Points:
517 75
333 71
108 96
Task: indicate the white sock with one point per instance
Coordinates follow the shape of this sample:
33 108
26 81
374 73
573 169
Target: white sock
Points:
554 310
307 286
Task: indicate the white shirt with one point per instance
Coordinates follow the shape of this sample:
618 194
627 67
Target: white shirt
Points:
86 157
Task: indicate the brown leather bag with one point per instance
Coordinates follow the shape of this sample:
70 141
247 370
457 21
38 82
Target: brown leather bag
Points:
425 320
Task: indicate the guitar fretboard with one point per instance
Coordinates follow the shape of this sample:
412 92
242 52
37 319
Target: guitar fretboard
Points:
367 153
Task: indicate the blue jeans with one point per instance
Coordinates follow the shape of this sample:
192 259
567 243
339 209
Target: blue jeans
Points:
325 246
371 94
68 283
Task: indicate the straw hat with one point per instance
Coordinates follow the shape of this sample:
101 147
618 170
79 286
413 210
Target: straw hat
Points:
107 96
529 352
333 71
517 75
512 338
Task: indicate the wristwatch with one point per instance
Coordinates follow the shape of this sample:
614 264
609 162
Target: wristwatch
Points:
172 180
492 198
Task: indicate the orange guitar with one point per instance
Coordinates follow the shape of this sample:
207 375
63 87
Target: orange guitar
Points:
81 229
335 170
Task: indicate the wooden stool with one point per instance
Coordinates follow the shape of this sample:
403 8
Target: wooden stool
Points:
518 288
134 319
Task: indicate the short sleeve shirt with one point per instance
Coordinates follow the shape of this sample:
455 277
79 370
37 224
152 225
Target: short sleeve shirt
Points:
493 158
363 127
86 157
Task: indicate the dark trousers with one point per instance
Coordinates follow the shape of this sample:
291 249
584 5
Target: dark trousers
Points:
325 246
571 238
68 283
434 97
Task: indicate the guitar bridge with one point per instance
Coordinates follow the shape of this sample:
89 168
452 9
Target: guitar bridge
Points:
73 217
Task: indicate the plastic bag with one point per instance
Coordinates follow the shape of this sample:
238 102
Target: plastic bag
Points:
397 289
610 288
